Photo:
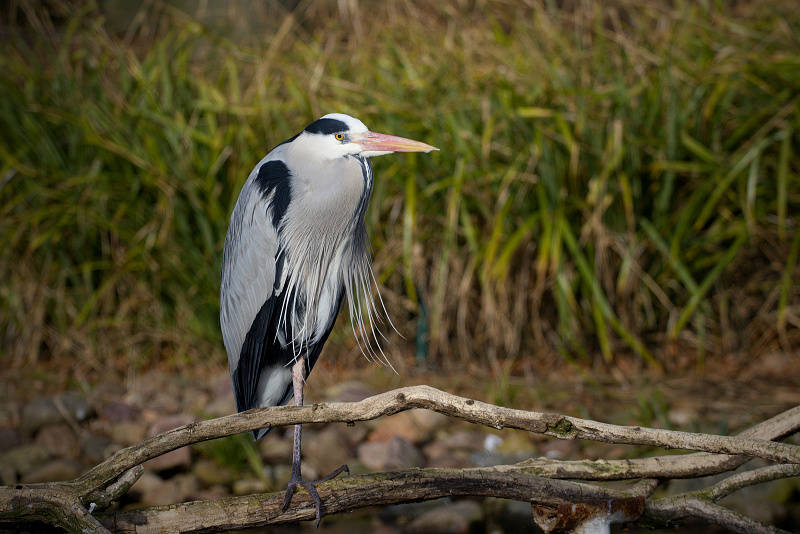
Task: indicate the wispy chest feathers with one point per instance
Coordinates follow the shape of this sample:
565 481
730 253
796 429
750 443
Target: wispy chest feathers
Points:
326 251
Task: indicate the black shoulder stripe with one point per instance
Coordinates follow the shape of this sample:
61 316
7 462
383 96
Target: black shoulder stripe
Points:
273 178
326 126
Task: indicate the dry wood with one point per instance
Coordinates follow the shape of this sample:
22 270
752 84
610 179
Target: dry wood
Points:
537 481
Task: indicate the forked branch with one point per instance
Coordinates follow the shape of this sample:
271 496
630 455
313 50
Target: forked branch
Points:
539 481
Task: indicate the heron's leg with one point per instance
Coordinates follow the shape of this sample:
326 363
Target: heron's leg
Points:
298 378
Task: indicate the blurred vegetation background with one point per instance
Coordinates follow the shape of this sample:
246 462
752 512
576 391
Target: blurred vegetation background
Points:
616 179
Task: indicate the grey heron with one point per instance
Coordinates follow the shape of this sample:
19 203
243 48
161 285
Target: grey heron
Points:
296 247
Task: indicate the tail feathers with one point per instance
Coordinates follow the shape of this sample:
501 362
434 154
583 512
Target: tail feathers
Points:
260 433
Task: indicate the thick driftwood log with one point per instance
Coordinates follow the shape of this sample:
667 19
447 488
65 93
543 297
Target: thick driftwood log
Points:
68 504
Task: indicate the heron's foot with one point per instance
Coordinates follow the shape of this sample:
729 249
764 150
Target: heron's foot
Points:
310 486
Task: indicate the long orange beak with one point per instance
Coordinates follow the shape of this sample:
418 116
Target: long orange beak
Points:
378 142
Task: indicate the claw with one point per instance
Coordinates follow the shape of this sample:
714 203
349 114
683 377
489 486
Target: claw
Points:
310 486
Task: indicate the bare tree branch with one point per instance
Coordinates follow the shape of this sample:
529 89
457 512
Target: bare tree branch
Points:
349 493
750 478
669 511
674 466
389 403
66 504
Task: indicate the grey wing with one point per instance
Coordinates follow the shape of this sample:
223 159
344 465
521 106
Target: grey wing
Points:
248 286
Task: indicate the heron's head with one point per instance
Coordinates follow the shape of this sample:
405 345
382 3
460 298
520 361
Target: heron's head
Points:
337 135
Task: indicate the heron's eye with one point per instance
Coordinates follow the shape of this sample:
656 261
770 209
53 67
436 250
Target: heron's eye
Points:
339 137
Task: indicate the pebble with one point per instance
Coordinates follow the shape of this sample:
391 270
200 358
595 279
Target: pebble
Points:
152 490
25 458
178 459
117 411
60 440
329 449
211 473
461 517
276 447
128 433
402 425
95 449
9 438
246 486
54 471
41 412
397 453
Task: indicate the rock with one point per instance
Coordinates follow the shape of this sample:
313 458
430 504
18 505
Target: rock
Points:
128 433
10 437
214 493
510 516
247 486
468 440
54 471
224 405
276 447
558 449
147 489
117 411
95 449
404 513
25 458
279 476
41 412
438 454
349 391
417 426
8 475
402 425
60 440
211 473
329 449
152 490
177 459
397 453
456 449
461 517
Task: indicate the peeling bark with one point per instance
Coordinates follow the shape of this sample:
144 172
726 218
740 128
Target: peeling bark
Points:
542 482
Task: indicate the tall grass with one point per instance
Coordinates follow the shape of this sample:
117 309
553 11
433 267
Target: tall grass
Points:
613 178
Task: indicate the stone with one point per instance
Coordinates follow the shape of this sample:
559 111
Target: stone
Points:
41 412
152 490
173 460
10 437
60 440
276 447
8 475
469 440
54 471
456 449
128 433
117 411
461 517
225 405
329 449
95 449
417 426
25 458
279 476
247 486
211 473
439 454
397 453
349 391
